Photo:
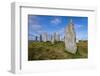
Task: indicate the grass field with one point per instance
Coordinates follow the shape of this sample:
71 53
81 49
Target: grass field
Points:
48 51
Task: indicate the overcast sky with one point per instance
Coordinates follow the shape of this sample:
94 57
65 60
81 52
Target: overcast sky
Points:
38 24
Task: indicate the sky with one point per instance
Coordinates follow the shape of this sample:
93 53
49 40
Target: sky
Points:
37 24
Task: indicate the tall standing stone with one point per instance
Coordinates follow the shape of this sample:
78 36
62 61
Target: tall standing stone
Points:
58 37
52 39
40 39
44 37
62 39
36 38
54 35
70 38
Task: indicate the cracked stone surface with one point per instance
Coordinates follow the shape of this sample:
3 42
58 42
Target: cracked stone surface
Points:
70 38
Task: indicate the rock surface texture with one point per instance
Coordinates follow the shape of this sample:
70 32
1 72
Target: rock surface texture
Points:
70 38
44 37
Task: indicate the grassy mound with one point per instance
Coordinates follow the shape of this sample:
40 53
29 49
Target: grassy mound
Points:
48 51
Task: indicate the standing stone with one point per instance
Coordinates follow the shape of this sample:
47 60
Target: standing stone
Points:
52 39
54 35
70 38
58 37
36 38
40 37
44 37
63 38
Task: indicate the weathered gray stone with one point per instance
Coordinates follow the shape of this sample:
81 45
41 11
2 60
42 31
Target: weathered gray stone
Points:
62 39
40 38
52 39
70 38
54 35
36 38
57 37
44 37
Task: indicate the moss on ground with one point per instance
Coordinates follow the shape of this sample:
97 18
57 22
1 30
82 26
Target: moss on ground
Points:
48 51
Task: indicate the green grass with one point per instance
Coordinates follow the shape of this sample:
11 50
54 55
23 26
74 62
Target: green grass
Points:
48 51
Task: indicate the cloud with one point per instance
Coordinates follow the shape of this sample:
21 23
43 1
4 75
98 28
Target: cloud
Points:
36 27
81 32
56 21
33 23
77 26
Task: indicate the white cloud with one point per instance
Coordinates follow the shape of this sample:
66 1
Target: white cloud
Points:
77 26
56 21
36 27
